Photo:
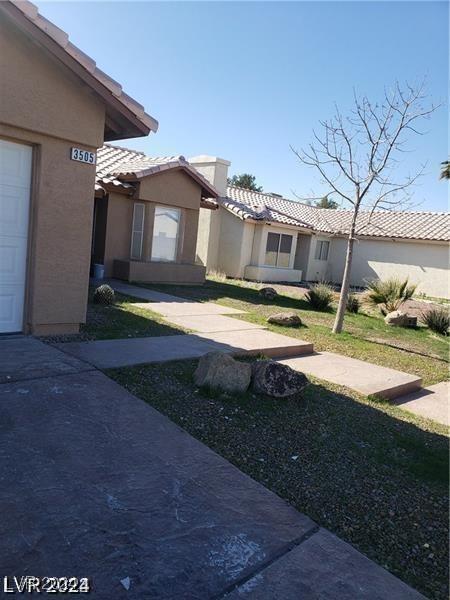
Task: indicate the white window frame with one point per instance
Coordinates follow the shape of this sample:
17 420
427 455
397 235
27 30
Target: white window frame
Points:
179 233
137 231
322 250
279 234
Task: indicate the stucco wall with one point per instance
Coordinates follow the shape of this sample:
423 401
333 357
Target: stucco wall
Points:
230 244
172 188
41 105
40 94
426 264
318 270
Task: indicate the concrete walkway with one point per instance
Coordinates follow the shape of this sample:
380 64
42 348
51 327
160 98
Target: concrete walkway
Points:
213 330
431 402
363 377
101 485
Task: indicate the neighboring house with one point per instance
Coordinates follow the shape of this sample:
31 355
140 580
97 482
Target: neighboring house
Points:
146 216
265 237
54 102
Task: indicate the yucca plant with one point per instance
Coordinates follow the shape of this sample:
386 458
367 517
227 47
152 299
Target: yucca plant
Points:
389 294
104 294
320 296
353 303
437 319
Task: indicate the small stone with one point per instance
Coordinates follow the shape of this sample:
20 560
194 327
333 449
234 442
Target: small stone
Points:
286 319
219 371
398 318
269 293
295 457
126 582
277 380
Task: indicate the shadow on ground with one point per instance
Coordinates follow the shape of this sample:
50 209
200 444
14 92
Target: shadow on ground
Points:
354 466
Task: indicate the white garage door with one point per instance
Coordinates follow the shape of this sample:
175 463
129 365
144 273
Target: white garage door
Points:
15 182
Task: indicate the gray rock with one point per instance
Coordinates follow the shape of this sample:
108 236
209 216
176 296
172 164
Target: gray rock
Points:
287 319
400 319
274 379
269 293
219 371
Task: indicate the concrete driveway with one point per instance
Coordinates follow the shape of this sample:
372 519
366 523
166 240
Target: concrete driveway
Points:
95 483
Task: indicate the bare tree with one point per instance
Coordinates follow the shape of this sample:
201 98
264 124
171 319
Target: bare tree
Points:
356 157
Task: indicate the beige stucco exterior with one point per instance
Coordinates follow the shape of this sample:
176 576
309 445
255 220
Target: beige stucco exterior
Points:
425 263
173 188
42 107
241 245
52 102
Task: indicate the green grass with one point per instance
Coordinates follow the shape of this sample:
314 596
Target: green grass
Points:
366 336
122 320
371 473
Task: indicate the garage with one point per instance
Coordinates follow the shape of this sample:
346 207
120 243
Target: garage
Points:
57 108
15 183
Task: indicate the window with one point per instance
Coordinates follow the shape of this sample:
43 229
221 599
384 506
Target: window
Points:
165 234
137 231
278 250
322 249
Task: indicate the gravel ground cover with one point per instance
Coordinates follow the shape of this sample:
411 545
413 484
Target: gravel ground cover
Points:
416 351
371 473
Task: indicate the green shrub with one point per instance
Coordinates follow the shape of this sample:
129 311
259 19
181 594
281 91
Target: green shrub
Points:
389 294
353 303
104 294
320 296
437 319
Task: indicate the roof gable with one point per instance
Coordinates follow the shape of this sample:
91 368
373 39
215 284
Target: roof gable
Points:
120 167
124 116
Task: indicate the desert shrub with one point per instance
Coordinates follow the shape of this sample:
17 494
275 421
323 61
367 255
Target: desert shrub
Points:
389 294
353 303
437 319
320 296
104 294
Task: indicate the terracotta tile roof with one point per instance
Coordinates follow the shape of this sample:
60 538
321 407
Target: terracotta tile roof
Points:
30 11
391 224
120 166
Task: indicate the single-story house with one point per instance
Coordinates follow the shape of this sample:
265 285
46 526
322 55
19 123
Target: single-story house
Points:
56 109
146 216
265 237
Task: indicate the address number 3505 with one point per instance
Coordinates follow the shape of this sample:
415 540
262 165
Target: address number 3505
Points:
82 156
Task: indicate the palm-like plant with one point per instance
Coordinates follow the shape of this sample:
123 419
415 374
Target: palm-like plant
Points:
445 170
389 294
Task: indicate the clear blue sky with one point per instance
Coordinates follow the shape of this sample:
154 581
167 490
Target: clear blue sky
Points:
245 80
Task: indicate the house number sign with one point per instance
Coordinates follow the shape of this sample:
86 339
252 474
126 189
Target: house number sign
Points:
82 156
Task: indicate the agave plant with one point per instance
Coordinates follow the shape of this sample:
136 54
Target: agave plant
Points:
389 294
437 319
320 296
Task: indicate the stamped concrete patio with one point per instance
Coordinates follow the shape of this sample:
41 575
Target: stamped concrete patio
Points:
98 484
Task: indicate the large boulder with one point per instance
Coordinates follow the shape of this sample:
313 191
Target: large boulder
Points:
219 371
287 319
274 379
400 319
268 293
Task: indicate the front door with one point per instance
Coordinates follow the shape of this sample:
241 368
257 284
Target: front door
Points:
15 184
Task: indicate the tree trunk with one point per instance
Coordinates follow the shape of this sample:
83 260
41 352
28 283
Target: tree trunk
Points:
342 306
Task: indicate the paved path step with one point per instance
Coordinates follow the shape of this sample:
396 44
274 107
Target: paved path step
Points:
431 402
187 309
213 323
106 354
363 377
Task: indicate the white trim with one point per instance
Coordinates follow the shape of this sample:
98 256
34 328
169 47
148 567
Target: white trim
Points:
135 230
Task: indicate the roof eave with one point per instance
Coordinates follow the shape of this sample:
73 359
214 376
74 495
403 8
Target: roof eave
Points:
121 121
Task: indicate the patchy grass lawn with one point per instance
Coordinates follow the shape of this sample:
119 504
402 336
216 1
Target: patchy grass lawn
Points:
120 320
419 352
371 473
